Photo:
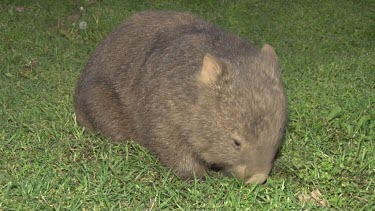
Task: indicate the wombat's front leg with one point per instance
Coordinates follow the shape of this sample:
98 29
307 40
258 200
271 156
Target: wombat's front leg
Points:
186 166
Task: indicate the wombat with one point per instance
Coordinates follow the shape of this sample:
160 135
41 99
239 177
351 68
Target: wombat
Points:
193 94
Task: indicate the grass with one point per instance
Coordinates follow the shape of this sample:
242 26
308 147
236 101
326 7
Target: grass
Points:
326 50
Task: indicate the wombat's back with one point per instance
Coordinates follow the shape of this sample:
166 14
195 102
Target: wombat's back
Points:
106 95
140 54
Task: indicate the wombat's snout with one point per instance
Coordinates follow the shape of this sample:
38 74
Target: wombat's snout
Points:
257 179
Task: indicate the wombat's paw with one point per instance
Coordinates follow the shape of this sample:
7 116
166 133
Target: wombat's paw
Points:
257 179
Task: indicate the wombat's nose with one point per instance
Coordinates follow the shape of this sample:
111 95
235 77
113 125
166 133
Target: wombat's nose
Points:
257 179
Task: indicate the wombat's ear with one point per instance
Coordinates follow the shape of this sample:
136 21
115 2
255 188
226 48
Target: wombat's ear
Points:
270 57
212 68
269 53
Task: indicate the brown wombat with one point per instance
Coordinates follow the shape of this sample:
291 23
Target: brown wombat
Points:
194 95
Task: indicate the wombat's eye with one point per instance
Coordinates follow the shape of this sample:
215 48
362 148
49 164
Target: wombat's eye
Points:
236 144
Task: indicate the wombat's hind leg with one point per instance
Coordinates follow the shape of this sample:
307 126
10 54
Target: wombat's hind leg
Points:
99 109
82 120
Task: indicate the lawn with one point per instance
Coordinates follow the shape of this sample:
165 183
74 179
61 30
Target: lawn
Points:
327 161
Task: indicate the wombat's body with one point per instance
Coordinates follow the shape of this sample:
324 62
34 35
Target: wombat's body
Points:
192 94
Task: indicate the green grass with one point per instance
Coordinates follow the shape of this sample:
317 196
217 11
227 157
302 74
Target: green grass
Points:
327 56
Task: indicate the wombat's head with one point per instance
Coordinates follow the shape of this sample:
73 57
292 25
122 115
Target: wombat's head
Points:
239 117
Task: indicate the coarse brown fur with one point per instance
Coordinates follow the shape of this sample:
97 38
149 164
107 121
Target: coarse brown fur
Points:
194 95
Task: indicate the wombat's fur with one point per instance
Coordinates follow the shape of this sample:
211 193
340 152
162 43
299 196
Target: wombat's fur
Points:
194 95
